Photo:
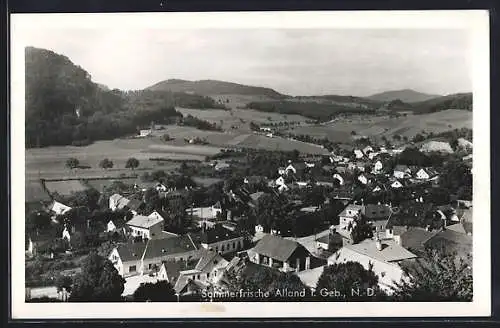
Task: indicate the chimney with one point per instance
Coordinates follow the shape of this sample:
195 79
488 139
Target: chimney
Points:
378 244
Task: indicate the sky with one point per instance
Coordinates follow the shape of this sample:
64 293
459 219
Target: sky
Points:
357 62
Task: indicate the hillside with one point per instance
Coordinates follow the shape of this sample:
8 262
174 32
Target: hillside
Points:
64 106
405 95
453 101
213 87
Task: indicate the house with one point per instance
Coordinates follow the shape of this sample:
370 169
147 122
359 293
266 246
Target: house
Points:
297 168
144 133
384 257
284 254
367 150
452 241
259 228
206 213
59 208
110 226
362 178
221 167
310 165
377 167
160 187
358 153
209 270
254 179
281 170
396 184
427 174
372 155
412 237
378 187
339 178
349 215
402 172
280 181
221 240
329 242
66 233
178 248
126 258
148 227
170 270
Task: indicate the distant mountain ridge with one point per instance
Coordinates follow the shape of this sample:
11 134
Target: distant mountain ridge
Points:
213 87
405 95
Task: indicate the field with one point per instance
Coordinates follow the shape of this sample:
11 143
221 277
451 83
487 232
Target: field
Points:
410 125
240 118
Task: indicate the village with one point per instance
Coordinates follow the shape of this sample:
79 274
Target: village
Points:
264 219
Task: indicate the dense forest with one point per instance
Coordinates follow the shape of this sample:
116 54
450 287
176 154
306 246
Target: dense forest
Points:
64 106
311 109
455 101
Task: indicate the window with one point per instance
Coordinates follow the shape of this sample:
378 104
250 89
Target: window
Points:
198 277
150 265
222 248
208 275
234 244
132 268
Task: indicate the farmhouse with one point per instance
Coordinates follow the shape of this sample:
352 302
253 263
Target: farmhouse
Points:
221 240
145 133
358 153
117 202
283 254
147 227
401 172
59 208
126 258
427 174
377 167
349 215
297 168
170 270
396 184
383 257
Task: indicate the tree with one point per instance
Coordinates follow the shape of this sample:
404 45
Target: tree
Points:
348 278
167 137
72 163
436 277
106 164
161 291
64 282
36 221
98 281
361 231
132 163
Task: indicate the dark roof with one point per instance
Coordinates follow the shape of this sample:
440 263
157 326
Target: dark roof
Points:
299 165
168 246
415 237
131 251
453 237
333 237
174 267
276 247
375 211
216 234
401 168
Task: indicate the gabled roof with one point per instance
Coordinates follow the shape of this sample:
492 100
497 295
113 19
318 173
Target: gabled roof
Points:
391 251
402 168
173 268
415 237
131 251
216 234
276 247
145 222
209 260
168 246
458 227
333 237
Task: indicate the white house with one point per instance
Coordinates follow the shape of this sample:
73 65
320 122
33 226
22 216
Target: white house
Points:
339 178
59 208
363 179
350 214
377 167
383 257
358 153
396 184
281 170
426 174
221 240
309 165
290 168
117 202
280 181
145 226
259 228
401 172
367 150
144 133
110 227
65 234
283 188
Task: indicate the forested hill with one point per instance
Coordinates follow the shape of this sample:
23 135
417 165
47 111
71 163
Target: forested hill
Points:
214 87
405 95
453 101
64 106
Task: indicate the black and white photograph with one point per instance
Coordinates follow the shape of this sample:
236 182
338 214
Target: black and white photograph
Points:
301 162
